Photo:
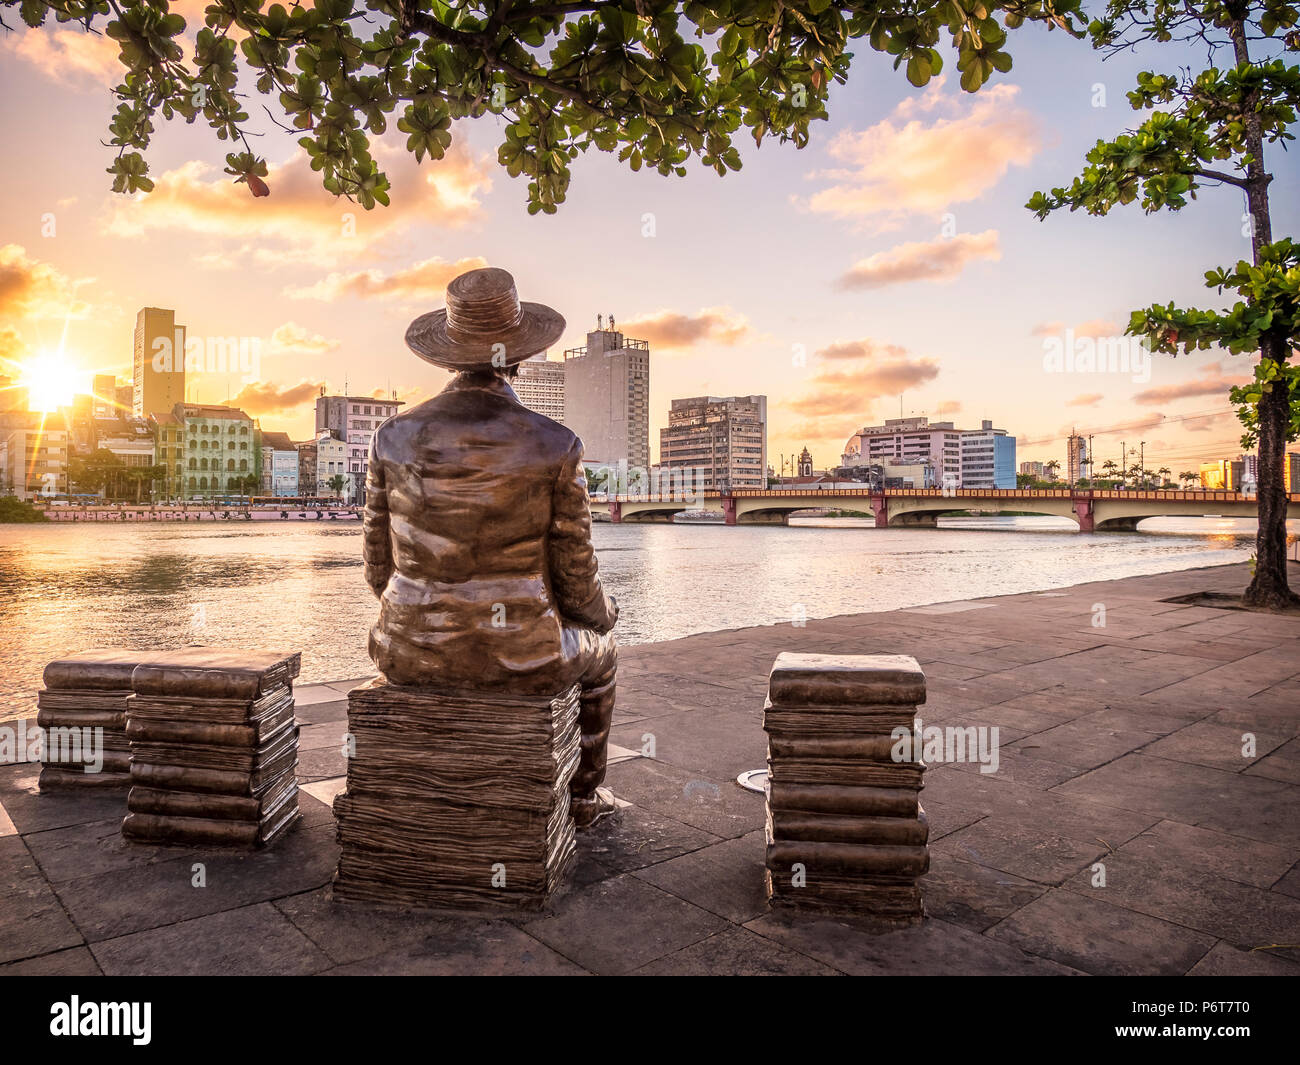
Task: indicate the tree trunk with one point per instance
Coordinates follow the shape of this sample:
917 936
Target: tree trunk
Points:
1269 588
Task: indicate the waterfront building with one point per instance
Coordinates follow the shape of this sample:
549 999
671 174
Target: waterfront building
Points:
607 397
103 398
539 384
332 459
279 465
306 468
961 458
805 468
131 440
1225 474
222 449
353 419
724 439
169 451
34 460
1032 469
159 372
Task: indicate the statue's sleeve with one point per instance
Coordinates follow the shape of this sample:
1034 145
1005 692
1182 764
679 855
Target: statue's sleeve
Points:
377 547
572 560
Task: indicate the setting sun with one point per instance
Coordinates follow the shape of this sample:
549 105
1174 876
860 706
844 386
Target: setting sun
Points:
51 381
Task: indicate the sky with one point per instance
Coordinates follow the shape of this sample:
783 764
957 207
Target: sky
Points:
889 267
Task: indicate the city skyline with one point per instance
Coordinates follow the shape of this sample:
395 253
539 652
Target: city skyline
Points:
865 271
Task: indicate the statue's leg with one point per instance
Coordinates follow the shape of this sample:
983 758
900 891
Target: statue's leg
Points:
595 714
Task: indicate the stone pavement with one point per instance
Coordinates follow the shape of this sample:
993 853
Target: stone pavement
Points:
1120 745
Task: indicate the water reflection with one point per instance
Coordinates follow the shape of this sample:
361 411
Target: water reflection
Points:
65 588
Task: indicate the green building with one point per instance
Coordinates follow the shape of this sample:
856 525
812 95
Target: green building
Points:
222 447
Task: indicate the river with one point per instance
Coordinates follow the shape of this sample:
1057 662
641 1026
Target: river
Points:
66 588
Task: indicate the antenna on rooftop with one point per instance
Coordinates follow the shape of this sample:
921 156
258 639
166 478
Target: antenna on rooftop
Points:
600 322
611 323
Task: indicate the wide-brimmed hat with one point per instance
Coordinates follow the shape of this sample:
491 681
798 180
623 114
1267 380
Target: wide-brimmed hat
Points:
483 325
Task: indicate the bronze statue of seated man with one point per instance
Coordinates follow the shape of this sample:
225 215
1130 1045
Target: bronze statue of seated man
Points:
478 531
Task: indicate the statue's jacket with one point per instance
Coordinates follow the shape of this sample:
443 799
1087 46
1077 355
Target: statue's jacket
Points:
478 544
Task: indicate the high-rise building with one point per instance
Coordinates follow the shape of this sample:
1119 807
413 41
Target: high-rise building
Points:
1076 458
103 400
961 458
1032 469
607 397
159 378
539 384
353 419
723 439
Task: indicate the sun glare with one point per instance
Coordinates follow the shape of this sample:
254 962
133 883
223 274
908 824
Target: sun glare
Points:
50 380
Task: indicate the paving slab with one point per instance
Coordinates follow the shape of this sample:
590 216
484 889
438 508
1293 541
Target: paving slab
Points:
735 952
621 924
32 921
1091 935
935 948
253 940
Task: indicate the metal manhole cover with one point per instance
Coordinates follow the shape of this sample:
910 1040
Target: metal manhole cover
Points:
753 780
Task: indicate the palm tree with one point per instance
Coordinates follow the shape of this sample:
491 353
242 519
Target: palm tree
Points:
336 484
1165 473
1109 469
1052 467
1189 478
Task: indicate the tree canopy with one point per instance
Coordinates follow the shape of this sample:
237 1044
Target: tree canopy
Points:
1212 127
658 83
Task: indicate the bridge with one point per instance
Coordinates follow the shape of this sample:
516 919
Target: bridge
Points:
1099 510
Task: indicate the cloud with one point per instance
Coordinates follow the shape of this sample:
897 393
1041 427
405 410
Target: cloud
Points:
264 397
933 260
904 165
1212 382
881 370
77 56
34 289
70 57
424 280
859 349
1088 399
11 347
670 329
291 338
407 394
1094 328
299 221
948 406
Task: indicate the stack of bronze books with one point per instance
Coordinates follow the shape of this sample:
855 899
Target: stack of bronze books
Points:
456 801
82 714
214 748
846 833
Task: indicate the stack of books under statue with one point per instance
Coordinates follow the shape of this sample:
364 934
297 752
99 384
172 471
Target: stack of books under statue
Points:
214 748
846 833
456 801
82 712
